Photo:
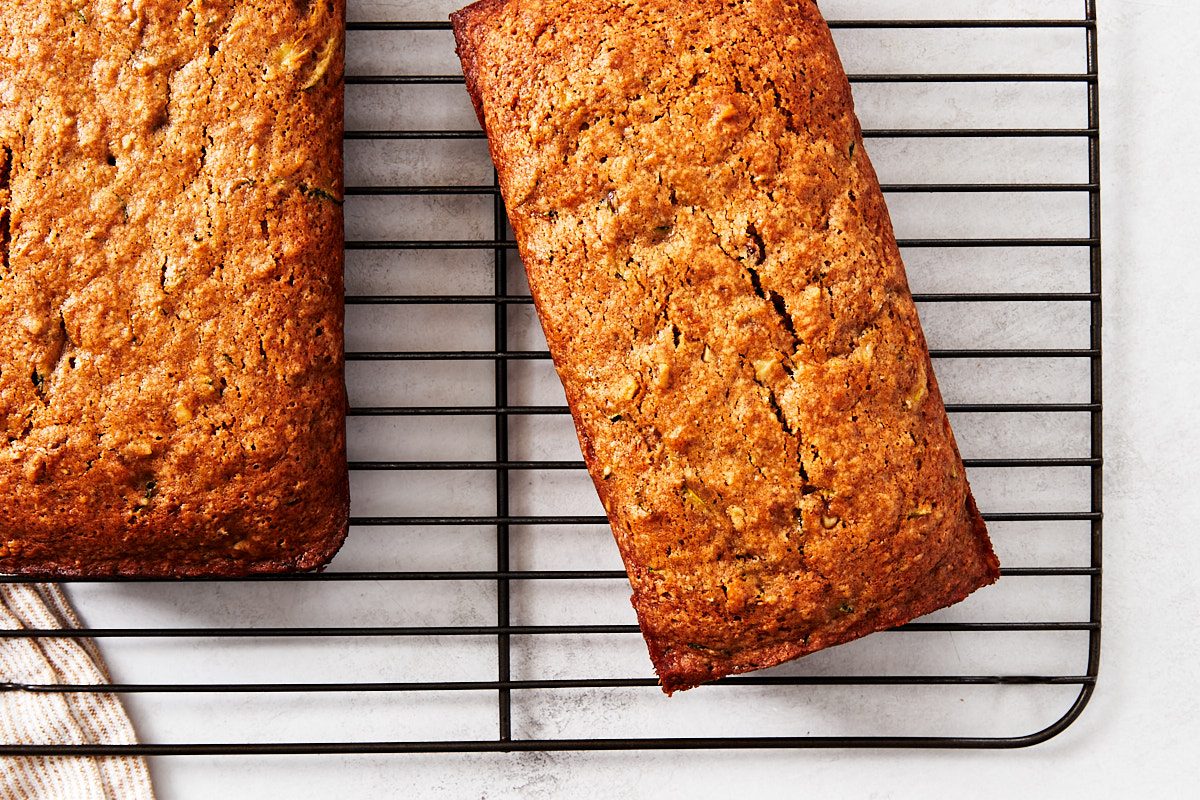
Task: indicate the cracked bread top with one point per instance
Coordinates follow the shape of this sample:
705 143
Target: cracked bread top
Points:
724 300
171 391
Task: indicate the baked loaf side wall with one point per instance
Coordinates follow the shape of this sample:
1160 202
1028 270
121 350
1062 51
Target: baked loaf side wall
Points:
171 391
722 293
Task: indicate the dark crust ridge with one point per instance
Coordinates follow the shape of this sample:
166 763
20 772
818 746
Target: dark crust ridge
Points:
715 269
172 399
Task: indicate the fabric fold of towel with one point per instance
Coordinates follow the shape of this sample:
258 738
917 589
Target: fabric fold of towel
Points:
59 718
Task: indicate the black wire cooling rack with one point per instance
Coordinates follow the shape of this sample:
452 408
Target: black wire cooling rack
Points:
505 603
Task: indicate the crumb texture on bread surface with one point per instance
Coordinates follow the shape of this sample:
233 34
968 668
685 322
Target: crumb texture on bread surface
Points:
722 293
171 391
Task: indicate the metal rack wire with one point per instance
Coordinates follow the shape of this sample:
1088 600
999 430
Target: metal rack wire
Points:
508 684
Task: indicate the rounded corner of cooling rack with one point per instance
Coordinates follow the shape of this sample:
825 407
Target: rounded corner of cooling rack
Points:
1056 728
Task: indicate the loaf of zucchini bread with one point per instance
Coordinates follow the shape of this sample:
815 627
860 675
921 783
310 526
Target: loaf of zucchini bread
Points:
715 269
171 391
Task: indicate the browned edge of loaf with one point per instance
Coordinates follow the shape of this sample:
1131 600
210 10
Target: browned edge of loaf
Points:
678 672
461 22
209 439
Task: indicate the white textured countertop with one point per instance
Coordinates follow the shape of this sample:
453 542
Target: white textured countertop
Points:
1137 737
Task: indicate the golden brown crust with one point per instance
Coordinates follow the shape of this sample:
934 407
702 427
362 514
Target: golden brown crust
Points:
724 300
171 391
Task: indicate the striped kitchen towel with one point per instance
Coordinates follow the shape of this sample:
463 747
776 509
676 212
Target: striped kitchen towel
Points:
59 717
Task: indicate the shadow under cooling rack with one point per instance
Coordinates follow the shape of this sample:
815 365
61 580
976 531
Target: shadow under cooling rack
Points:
479 604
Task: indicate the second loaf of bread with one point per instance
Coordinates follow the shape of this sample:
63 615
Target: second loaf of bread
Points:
724 299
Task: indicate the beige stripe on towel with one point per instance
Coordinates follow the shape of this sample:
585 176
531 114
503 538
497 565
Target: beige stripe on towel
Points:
60 718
